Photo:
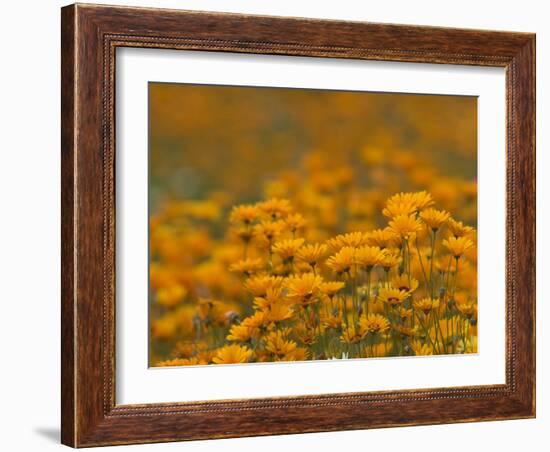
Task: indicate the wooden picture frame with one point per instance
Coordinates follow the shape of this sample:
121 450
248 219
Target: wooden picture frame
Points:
90 36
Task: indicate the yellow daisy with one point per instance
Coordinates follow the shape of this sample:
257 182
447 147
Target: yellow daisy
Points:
374 324
405 282
298 354
419 200
392 296
351 239
467 308
287 249
245 213
405 331
269 230
276 208
399 208
242 333
331 288
368 256
279 345
405 225
342 261
458 229
312 254
352 335
390 260
383 238
258 285
278 312
304 289
332 321
458 246
256 320
233 354
426 305
272 296
294 222
434 219
404 313
421 349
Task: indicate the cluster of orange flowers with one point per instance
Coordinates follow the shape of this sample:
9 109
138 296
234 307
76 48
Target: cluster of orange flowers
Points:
281 284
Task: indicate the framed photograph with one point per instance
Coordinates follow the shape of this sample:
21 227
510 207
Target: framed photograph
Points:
281 225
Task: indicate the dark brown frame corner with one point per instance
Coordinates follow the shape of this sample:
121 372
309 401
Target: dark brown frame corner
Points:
90 36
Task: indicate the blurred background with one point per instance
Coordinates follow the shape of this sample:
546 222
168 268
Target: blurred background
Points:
206 139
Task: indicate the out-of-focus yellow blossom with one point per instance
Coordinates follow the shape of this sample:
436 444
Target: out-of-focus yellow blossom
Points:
171 295
247 266
164 328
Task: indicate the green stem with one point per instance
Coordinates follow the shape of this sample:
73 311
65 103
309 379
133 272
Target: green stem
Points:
354 294
426 332
369 270
432 238
421 264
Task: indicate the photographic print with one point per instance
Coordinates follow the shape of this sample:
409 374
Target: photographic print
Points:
294 224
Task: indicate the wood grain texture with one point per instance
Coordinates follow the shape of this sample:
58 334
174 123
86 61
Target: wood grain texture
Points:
67 226
90 36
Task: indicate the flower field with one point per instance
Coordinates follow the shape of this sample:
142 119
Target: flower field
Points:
328 226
